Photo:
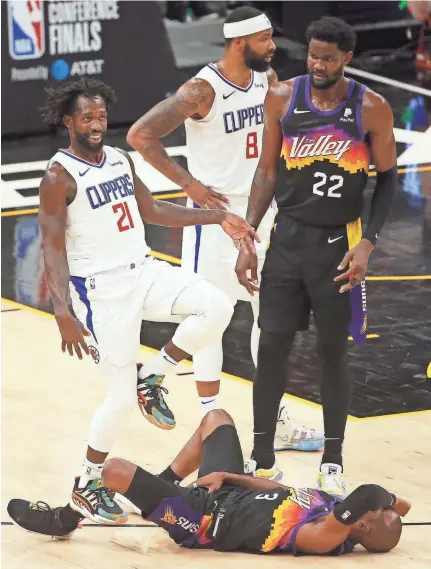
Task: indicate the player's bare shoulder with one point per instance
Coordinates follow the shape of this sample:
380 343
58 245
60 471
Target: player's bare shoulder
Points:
272 76
376 110
279 96
58 180
195 98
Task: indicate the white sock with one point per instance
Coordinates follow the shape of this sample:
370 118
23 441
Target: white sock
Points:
209 404
90 471
159 365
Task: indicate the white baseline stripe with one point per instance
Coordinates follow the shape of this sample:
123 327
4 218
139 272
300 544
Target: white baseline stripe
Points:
20 167
388 81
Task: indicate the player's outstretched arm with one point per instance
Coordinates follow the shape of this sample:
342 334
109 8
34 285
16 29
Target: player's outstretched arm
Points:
56 188
378 123
193 99
167 214
263 186
215 481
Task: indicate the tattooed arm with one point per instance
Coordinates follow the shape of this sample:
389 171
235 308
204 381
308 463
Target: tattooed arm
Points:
194 100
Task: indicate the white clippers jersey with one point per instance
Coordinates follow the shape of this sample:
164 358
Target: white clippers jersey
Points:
224 147
104 228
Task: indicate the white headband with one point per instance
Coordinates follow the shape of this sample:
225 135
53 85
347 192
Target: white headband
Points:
246 27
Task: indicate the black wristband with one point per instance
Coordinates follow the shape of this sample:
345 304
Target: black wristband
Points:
366 498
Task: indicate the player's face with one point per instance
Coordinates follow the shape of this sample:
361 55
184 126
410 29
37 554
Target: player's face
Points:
258 51
88 123
325 62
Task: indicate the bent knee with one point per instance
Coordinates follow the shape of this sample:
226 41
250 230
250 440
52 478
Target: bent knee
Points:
116 471
219 308
216 418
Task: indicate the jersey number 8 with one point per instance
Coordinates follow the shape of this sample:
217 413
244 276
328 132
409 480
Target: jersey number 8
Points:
331 190
251 150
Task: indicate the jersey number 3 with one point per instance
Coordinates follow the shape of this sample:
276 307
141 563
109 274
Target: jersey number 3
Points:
251 150
332 193
122 223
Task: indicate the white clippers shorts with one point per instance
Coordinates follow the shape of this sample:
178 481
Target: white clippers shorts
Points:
210 252
111 305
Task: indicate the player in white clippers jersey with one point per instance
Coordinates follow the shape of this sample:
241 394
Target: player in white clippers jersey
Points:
222 109
92 207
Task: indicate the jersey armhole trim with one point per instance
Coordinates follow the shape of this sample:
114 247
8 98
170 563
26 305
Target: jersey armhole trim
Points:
51 164
292 100
212 112
359 111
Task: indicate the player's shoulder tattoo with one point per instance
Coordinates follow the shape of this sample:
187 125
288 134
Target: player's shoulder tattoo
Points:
192 95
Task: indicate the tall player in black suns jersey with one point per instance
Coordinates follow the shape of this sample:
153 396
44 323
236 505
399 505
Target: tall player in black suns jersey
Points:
321 132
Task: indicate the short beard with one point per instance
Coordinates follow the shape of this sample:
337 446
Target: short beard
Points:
91 147
329 83
254 62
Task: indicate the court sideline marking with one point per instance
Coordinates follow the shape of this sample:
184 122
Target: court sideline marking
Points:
228 375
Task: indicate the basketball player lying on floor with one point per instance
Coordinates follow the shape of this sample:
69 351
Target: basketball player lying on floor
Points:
226 510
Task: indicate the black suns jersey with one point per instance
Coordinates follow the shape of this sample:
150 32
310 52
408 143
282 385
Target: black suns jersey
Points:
324 159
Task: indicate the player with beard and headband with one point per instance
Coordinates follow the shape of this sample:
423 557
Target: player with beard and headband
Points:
92 209
222 109
321 132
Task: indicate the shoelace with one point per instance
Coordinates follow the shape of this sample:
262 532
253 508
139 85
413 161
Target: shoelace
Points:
155 392
44 507
40 506
105 496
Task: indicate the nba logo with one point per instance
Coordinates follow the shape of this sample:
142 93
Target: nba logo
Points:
26 29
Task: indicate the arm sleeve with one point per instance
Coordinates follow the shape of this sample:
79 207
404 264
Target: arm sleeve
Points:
381 203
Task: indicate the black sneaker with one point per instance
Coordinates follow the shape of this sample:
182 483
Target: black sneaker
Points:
96 503
152 403
41 518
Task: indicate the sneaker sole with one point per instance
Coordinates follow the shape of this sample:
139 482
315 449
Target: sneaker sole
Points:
304 446
151 419
127 505
95 518
60 537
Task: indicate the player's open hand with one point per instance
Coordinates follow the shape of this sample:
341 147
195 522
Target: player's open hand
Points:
247 261
358 258
72 334
213 481
205 196
239 231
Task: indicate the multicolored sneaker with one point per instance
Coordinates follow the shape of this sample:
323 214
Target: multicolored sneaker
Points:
273 473
152 403
40 518
291 436
330 479
96 503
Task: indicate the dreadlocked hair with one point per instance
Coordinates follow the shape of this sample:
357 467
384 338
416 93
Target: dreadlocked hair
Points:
61 100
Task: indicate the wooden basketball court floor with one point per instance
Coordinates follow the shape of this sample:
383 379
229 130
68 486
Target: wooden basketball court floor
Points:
47 402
